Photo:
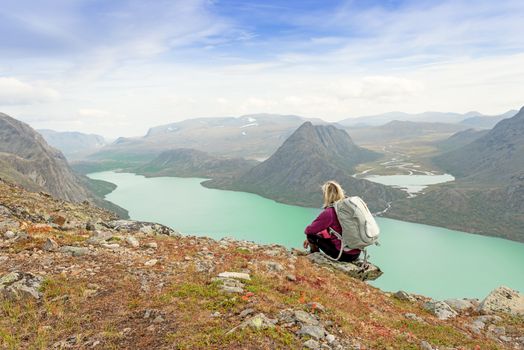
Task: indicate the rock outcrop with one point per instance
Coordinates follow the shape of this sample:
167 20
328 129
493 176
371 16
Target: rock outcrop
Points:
18 285
503 299
355 269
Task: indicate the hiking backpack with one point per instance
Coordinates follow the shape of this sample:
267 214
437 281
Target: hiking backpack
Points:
359 228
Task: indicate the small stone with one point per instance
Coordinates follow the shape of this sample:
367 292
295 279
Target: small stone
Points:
50 245
151 245
9 235
401 295
235 275
305 318
216 314
74 251
99 237
22 236
111 246
158 319
477 326
90 226
312 344
291 278
132 241
257 322
316 332
414 317
246 312
498 330
314 306
330 338
440 309
231 289
424 345
273 266
151 262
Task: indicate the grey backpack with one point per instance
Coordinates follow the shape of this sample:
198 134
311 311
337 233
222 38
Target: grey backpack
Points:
359 228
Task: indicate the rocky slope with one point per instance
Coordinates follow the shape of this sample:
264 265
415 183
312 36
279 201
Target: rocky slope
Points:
29 160
185 162
492 158
308 158
74 277
487 197
71 143
460 139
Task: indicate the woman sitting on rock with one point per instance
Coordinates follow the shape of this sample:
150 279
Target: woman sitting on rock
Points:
317 233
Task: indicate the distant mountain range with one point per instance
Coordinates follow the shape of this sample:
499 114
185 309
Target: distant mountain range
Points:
398 130
186 162
487 122
73 144
488 195
26 159
460 139
254 136
308 158
472 119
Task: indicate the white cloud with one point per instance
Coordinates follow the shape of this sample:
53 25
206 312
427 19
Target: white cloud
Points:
16 92
93 113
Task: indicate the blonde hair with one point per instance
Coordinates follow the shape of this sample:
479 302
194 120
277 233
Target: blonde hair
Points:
332 192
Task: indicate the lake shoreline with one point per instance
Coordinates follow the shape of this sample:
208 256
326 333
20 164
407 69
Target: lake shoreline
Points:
283 224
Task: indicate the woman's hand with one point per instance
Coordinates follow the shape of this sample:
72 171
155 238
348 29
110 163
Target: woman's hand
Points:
306 244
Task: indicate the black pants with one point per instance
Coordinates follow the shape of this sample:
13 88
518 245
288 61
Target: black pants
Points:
327 246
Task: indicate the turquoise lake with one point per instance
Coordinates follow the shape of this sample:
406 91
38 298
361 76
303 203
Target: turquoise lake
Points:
422 259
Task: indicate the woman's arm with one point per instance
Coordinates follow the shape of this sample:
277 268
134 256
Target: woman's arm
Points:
322 222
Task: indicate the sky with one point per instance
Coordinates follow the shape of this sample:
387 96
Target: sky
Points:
116 68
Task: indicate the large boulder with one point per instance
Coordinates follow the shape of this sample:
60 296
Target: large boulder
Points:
503 299
18 285
148 228
356 269
440 309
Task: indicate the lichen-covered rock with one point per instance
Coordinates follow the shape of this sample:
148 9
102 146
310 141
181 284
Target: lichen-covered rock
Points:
18 285
503 299
235 275
148 228
74 251
99 237
459 305
401 295
50 245
354 269
440 309
316 332
257 322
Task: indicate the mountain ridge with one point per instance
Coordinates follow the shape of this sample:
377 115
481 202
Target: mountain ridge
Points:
308 158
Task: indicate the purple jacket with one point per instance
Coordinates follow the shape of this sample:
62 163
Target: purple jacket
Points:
326 219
